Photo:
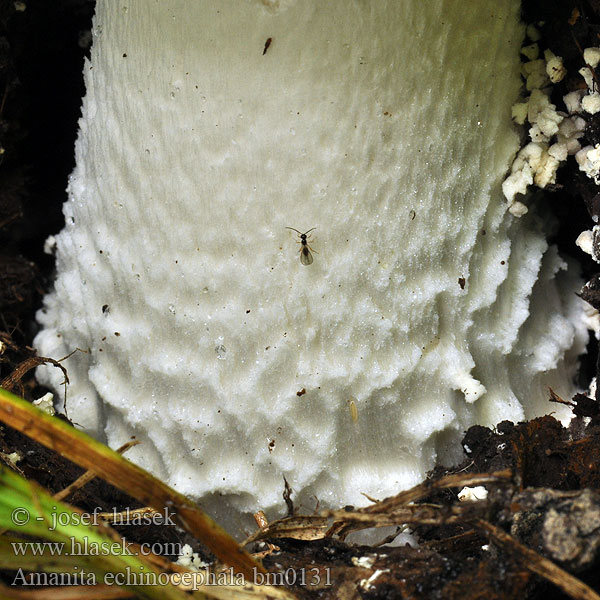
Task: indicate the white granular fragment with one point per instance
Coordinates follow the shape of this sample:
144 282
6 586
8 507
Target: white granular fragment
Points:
591 103
364 562
555 69
535 74
572 101
591 56
531 52
190 559
585 241
518 209
569 132
46 403
519 112
473 494
13 457
533 33
588 76
588 159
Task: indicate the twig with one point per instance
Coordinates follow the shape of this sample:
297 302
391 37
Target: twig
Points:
9 382
89 475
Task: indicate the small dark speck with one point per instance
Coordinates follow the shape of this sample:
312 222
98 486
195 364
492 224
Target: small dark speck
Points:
267 347
461 282
100 252
124 54
483 232
301 392
117 333
104 308
412 214
267 44
502 262
247 311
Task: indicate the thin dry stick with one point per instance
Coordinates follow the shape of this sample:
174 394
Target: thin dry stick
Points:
9 382
392 507
14 379
424 489
89 475
261 521
539 565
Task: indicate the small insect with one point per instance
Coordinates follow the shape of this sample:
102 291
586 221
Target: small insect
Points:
305 250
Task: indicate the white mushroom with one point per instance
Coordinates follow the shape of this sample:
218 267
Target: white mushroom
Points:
207 129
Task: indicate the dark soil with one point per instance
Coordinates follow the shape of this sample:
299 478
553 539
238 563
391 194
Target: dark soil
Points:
41 85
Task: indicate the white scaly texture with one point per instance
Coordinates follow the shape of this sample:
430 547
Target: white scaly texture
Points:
385 125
